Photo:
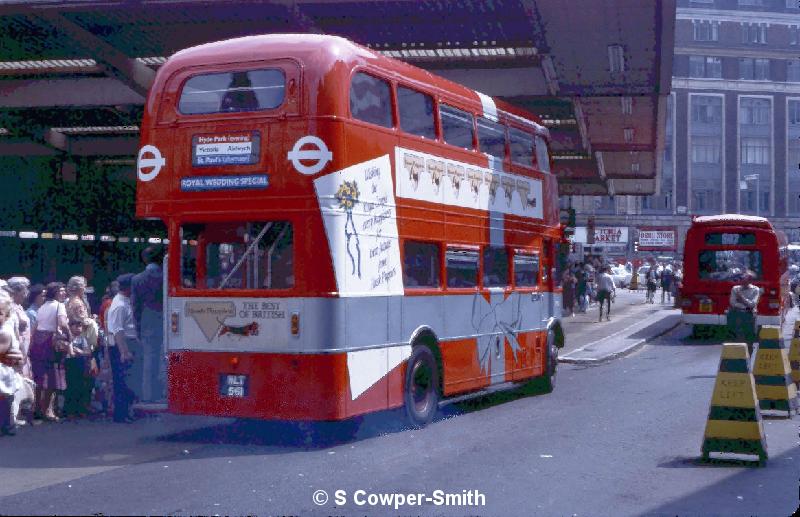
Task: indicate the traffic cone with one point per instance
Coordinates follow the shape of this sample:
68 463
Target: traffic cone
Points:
734 419
774 385
794 359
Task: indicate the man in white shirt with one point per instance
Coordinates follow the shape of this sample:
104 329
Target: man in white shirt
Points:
605 291
123 348
743 308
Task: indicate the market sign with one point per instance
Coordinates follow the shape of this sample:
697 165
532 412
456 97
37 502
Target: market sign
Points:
603 235
657 239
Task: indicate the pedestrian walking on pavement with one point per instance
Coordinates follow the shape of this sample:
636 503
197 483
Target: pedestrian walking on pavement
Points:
48 349
580 289
10 358
606 291
568 295
666 284
650 282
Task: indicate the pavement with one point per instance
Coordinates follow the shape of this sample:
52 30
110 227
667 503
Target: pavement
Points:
633 324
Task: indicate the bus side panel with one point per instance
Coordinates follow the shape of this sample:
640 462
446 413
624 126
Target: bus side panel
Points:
461 368
280 386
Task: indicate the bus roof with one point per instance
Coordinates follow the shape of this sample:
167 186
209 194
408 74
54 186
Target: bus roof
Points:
743 220
332 49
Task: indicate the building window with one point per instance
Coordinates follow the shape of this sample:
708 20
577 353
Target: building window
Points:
754 69
754 112
754 33
705 66
755 151
793 34
794 113
751 2
792 4
705 31
706 110
706 149
793 71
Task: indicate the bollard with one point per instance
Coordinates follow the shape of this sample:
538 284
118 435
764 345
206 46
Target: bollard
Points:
774 386
734 419
794 360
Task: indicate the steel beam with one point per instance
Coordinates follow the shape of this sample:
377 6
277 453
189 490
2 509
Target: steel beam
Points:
137 76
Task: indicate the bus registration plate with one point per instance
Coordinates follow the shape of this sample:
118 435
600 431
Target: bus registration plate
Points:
231 385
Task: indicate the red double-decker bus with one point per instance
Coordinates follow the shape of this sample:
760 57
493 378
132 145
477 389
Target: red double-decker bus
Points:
719 250
347 233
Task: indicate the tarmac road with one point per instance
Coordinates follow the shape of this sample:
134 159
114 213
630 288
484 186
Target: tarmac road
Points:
618 438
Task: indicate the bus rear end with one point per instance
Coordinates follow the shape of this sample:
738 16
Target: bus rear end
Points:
717 253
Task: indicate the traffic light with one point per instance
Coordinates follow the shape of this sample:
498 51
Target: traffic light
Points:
636 245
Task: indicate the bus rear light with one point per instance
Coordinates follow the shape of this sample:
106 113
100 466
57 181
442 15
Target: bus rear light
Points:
234 361
295 324
174 322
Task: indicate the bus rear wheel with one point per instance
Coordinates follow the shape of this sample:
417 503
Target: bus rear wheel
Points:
552 362
421 387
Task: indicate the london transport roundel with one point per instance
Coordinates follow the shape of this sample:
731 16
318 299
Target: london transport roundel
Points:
317 152
149 158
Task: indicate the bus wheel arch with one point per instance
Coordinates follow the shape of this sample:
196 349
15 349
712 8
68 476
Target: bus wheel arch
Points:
422 387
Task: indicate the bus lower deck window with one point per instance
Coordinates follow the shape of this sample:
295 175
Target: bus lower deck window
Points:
420 264
526 269
495 267
238 255
462 268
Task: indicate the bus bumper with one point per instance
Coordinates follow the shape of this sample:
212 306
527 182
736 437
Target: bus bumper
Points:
273 386
722 319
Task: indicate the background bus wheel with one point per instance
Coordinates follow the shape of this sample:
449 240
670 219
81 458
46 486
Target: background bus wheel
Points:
421 387
552 362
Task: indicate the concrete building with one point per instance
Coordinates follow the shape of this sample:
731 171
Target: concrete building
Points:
733 130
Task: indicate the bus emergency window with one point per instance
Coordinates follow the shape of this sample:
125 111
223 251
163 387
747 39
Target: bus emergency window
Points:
247 90
729 265
420 264
237 255
495 267
492 138
731 239
526 269
521 144
462 268
456 126
542 155
371 100
416 112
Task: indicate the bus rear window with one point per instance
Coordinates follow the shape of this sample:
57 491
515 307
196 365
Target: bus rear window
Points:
227 92
242 255
731 239
729 265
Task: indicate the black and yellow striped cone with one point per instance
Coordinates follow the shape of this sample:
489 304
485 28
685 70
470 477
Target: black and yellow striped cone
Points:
734 419
794 359
773 375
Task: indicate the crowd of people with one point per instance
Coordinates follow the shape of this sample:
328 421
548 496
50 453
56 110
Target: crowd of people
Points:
60 360
589 282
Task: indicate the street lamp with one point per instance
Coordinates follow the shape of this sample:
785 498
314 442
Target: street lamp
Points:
754 177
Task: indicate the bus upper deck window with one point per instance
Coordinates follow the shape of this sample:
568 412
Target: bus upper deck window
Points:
416 112
456 126
229 92
542 155
371 100
521 147
492 138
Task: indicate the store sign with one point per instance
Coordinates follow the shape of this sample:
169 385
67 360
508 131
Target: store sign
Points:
657 239
603 235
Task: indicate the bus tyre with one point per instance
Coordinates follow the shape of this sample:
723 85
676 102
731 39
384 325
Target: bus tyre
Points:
421 387
552 362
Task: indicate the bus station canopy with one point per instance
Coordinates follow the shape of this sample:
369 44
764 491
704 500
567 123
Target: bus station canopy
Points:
74 73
